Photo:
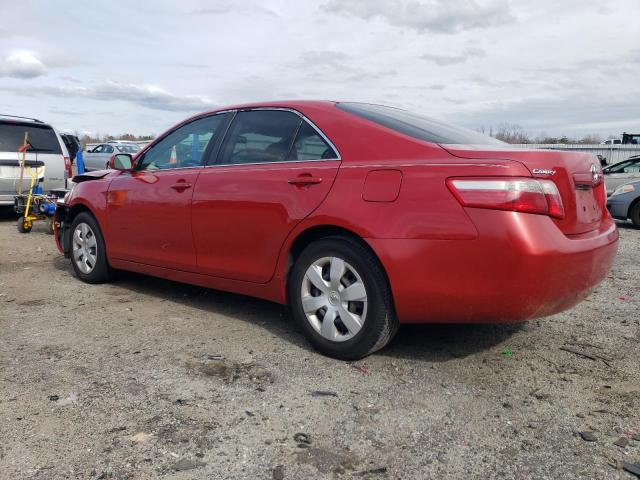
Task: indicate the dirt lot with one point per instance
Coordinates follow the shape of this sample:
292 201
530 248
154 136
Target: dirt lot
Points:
145 378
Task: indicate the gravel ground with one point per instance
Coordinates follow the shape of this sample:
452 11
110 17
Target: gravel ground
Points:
145 378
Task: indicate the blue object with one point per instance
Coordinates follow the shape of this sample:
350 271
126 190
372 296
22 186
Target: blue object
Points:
48 208
36 190
80 161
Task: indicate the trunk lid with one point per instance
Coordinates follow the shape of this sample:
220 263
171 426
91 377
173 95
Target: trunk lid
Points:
578 177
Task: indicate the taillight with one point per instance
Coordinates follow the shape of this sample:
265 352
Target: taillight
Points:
515 194
67 167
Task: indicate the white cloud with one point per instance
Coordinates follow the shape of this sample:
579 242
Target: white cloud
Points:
441 59
546 65
21 64
429 15
149 96
223 7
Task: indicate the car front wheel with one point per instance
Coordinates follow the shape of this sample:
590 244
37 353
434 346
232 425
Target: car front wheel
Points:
88 255
339 295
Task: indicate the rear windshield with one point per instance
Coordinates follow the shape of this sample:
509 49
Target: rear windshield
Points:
417 126
41 138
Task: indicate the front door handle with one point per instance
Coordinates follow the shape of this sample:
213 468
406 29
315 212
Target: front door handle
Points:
305 179
181 185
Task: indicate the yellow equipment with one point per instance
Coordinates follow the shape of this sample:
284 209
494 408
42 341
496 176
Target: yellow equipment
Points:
34 205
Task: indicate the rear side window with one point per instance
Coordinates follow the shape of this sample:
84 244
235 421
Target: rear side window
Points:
309 145
417 126
42 138
260 136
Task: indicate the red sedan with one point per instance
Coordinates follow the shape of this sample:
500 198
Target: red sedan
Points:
358 216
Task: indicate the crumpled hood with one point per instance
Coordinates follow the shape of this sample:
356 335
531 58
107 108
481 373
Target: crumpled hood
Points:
97 175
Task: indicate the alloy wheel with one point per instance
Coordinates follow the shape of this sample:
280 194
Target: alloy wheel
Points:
85 248
334 298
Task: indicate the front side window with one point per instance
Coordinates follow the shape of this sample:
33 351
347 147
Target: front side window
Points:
633 167
98 149
184 147
260 136
108 149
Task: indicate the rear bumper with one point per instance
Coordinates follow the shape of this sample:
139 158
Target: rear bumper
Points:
520 267
6 200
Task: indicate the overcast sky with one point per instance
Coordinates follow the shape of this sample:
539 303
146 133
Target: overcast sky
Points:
555 66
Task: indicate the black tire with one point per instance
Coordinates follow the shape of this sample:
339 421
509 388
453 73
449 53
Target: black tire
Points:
21 226
101 271
634 214
380 323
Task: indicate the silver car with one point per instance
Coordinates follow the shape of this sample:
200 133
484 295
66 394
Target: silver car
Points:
621 173
97 158
625 202
44 145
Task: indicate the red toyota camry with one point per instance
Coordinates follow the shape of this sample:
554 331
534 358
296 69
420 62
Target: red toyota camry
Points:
360 217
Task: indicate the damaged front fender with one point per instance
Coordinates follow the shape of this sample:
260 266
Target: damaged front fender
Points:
62 229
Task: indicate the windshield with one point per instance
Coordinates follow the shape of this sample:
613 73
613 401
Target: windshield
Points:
628 166
41 138
417 126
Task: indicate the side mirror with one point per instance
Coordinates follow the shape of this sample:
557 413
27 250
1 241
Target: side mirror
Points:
122 162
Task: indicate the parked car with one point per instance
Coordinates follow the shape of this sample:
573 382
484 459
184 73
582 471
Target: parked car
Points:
98 157
621 173
360 217
45 145
624 203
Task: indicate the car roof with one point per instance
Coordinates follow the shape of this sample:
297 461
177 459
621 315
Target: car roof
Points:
18 118
293 104
287 104
298 105
24 122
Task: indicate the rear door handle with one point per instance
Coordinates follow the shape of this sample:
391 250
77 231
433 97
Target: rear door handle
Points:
181 185
305 180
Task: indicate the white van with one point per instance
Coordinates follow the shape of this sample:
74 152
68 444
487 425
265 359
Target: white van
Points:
45 145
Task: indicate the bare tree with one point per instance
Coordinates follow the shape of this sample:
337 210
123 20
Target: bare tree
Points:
512 133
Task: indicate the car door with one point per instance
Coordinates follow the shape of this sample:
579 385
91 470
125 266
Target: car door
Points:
103 159
149 210
272 170
92 159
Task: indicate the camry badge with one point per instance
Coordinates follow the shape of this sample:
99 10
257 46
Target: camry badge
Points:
542 171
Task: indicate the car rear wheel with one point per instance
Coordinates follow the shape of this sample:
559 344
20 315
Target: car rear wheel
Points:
634 214
340 297
88 255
